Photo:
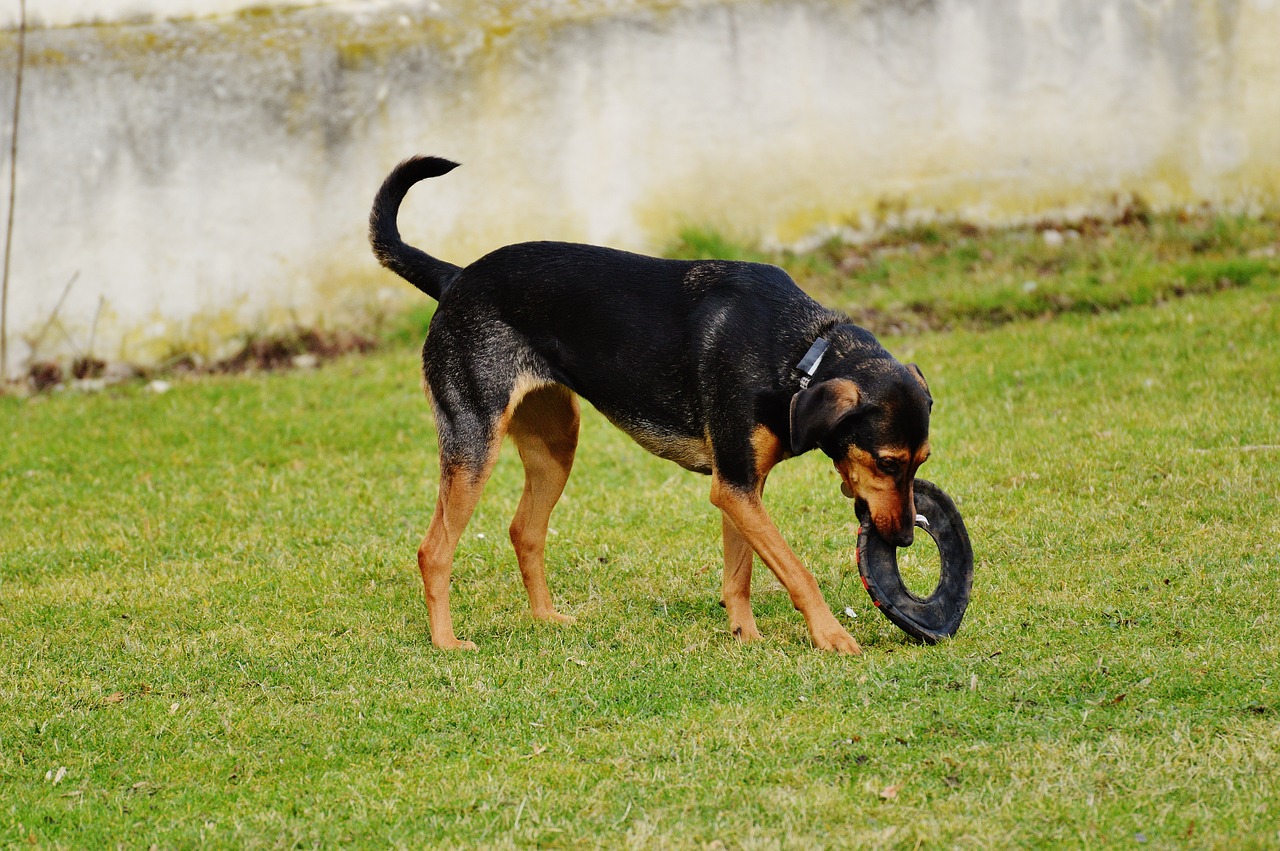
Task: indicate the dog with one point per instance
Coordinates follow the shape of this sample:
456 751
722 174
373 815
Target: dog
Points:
726 368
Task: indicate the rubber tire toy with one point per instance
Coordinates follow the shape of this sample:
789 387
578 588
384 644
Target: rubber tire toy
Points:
937 616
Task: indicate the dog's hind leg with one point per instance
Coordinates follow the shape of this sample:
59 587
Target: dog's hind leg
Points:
470 437
460 488
545 429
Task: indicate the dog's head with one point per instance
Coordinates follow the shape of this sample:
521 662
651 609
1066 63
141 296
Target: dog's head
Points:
874 424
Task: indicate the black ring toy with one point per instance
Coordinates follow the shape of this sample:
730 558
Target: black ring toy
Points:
937 616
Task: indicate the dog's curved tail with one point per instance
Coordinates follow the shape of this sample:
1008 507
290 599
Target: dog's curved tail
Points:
425 272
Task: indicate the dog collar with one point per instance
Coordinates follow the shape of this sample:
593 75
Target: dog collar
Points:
809 363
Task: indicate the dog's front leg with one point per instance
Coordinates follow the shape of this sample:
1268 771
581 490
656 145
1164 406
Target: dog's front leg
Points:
743 507
736 595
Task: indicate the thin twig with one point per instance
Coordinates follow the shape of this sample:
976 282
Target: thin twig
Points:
35 344
93 331
13 185
66 335
1256 447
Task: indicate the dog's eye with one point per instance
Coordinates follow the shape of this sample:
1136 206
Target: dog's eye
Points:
889 466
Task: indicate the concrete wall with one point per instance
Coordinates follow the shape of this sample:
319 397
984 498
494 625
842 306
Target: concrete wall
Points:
65 13
206 176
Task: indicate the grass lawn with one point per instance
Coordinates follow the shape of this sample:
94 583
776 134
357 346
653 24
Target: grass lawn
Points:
212 630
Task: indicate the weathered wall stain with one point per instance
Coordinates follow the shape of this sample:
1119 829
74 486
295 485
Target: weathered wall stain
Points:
211 175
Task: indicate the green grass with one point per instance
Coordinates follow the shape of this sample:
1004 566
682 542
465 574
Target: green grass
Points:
212 632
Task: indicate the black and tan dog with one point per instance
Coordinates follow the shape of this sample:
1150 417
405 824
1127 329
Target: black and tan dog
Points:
725 368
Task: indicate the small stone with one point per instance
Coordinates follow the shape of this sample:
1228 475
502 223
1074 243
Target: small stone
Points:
89 385
117 371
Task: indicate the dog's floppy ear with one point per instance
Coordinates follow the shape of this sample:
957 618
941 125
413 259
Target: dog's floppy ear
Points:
816 410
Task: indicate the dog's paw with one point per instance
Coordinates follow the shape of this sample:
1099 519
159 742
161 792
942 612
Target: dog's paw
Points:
746 633
554 617
455 644
837 640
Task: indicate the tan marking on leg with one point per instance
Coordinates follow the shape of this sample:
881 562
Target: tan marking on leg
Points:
747 512
460 490
738 554
769 451
545 430
736 590
459 493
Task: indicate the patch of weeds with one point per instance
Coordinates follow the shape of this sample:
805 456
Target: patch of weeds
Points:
709 244
300 348
1224 273
941 275
410 328
296 349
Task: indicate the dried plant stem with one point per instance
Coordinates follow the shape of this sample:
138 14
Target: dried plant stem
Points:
13 185
39 338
